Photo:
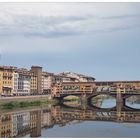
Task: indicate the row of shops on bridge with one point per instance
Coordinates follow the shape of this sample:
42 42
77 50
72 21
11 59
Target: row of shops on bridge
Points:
91 87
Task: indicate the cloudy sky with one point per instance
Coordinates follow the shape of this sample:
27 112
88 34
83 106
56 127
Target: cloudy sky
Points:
97 39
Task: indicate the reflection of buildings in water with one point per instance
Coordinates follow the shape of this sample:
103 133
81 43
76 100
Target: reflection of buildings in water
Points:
99 100
35 123
72 103
128 116
5 126
132 99
63 116
19 124
75 122
46 118
68 122
99 103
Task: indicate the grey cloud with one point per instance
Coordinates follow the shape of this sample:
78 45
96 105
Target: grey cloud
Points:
52 34
58 26
48 26
49 20
119 17
124 28
117 28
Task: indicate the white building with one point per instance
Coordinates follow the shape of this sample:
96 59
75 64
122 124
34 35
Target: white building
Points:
16 76
24 81
78 77
47 81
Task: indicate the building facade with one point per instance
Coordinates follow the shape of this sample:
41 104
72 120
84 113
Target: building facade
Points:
24 81
78 77
47 82
36 70
72 88
33 86
6 80
16 77
1 81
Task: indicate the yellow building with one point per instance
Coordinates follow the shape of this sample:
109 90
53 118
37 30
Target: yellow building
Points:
33 85
6 80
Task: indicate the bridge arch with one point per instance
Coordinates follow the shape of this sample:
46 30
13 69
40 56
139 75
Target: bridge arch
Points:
89 98
127 106
90 102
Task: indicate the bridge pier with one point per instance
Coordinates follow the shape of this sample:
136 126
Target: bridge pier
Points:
119 97
120 102
83 100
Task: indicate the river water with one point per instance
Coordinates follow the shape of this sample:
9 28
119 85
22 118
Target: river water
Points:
102 120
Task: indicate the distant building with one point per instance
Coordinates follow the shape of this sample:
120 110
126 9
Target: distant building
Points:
77 77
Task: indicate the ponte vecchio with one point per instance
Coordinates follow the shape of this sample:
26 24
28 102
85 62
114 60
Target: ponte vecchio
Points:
87 90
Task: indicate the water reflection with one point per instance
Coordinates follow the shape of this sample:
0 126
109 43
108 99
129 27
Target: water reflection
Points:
31 122
133 102
104 101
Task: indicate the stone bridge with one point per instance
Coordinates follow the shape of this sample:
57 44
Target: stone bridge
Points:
87 90
86 98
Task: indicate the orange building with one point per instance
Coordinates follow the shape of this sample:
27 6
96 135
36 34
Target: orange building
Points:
72 87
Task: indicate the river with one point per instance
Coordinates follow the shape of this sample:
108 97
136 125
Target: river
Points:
105 121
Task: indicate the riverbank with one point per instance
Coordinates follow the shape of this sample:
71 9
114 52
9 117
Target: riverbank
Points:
29 101
24 98
23 104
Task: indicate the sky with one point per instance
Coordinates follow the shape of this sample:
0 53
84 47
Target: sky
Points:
96 39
